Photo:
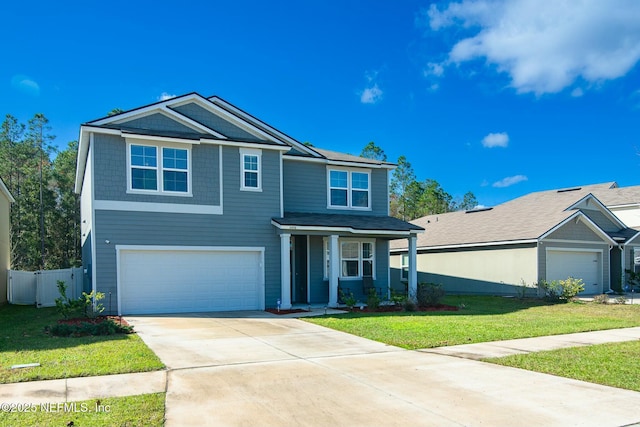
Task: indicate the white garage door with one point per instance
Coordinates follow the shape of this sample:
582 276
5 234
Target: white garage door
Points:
179 281
580 265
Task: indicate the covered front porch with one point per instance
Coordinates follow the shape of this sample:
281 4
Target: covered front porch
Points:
322 254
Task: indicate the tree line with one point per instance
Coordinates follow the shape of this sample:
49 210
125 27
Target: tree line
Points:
45 218
410 198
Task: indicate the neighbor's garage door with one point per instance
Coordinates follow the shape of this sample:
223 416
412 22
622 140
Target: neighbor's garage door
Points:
580 265
178 281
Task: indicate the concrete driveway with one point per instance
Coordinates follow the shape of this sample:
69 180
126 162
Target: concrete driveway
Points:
254 369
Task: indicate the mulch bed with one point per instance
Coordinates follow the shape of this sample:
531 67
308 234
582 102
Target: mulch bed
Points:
93 320
294 310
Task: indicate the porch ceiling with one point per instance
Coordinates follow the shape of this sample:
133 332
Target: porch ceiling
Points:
358 224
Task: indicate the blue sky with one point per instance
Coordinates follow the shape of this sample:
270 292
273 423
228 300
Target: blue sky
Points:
497 98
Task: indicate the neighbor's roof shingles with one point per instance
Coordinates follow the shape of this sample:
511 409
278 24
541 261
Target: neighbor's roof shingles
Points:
525 218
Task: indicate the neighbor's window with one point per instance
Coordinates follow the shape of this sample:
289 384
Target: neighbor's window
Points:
349 189
404 267
159 169
250 166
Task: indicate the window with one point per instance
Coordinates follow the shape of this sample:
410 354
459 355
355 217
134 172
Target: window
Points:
349 189
144 168
404 268
160 170
357 258
250 169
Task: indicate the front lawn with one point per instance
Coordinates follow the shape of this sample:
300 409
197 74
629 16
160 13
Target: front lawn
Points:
482 319
23 340
142 410
614 364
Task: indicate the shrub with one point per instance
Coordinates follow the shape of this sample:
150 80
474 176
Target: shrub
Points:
101 327
409 305
373 300
398 298
601 299
61 329
349 300
429 294
82 306
621 299
561 289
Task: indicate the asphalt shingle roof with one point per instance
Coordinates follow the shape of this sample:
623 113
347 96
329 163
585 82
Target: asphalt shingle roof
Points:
356 222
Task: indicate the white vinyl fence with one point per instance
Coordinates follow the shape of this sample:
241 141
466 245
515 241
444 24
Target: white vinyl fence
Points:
40 288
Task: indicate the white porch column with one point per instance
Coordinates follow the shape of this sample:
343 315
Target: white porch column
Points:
285 271
334 270
413 271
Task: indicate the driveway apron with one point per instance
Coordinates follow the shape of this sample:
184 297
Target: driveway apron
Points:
255 369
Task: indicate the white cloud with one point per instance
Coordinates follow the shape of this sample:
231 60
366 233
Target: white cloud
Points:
371 95
25 84
577 92
433 69
496 140
164 96
509 181
545 45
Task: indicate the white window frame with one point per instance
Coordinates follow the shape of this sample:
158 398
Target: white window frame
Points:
349 188
404 267
360 259
159 170
255 153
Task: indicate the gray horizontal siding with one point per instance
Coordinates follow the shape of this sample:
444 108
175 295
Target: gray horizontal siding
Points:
111 174
305 189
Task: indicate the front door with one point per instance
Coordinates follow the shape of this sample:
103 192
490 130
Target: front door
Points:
299 270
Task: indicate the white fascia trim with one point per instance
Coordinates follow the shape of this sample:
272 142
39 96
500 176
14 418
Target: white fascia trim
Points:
339 230
467 245
624 206
114 205
630 241
132 137
581 242
141 112
342 163
190 248
5 191
257 145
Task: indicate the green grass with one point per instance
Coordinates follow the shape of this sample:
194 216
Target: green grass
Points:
23 340
482 319
142 410
612 364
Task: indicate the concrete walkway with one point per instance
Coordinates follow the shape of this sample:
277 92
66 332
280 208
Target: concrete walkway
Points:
267 370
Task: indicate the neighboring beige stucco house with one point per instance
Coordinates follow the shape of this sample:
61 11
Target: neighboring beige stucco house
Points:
548 235
5 246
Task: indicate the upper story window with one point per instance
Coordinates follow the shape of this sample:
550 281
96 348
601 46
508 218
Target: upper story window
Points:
250 169
162 170
349 189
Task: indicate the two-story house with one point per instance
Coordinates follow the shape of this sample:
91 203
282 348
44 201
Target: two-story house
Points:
191 204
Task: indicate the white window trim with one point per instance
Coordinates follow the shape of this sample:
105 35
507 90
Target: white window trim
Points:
350 189
250 152
325 250
159 168
404 267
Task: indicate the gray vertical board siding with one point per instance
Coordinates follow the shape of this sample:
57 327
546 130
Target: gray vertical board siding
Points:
158 122
245 222
601 220
212 121
110 174
305 189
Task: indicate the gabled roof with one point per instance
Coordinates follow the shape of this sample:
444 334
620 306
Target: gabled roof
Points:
522 220
5 191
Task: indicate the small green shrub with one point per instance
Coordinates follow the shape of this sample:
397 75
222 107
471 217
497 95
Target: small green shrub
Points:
102 327
82 306
430 294
61 329
398 298
601 299
409 305
621 299
563 290
373 300
348 299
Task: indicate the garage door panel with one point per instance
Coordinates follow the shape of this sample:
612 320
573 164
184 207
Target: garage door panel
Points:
585 265
166 281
